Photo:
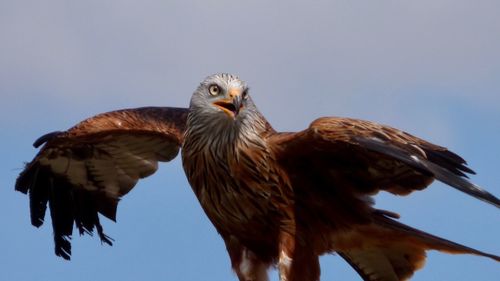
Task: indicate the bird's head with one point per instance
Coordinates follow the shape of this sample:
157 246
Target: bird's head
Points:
222 96
221 106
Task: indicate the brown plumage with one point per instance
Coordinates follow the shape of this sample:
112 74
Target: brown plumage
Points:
275 198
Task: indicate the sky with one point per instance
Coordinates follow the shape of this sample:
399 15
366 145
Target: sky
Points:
430 67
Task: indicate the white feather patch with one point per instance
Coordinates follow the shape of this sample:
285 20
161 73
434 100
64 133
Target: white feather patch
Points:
246 263
285 261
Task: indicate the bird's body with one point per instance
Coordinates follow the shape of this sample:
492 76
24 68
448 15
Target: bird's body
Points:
240 188
229 201
275 198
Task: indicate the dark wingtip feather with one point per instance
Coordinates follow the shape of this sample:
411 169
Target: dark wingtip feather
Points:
33 181
443 169
25 179
450 161
62 246
104 238
45 138
463 184
68 206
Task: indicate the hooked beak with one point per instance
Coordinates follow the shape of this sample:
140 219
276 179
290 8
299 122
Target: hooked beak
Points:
232 105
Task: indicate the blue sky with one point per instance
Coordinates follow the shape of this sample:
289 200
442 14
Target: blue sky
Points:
431 68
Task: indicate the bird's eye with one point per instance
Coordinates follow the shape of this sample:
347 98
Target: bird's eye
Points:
245 95
214 90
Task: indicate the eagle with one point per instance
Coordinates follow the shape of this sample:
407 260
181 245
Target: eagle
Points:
276 198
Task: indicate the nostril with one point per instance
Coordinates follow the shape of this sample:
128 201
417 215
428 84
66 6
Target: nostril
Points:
234 93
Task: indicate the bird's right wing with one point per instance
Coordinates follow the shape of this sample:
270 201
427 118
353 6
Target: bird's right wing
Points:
85 170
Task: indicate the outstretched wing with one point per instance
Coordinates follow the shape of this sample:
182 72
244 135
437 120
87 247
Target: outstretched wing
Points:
335 165
87 169
367 157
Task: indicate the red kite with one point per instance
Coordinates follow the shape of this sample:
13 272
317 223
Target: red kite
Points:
275 198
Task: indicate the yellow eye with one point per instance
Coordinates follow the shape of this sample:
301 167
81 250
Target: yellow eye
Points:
214 90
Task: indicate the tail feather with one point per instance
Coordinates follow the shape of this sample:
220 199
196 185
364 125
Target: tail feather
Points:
432 242
392 251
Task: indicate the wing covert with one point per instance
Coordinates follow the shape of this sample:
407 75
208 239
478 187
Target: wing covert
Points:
369 157
87 169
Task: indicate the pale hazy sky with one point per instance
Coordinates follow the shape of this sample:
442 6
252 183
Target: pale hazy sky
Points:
429 67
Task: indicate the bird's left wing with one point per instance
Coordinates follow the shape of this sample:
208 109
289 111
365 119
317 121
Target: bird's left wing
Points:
337 162
85 170
367 157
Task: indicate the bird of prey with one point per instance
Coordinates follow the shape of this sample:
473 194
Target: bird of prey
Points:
276 198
